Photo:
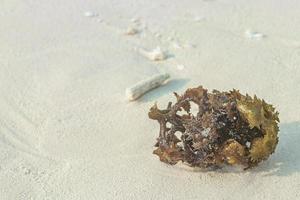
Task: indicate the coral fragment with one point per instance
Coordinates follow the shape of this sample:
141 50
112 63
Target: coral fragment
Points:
228 128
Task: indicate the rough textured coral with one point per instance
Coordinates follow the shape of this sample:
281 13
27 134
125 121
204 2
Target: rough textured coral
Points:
228 128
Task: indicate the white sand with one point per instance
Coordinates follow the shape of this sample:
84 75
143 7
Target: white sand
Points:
66 130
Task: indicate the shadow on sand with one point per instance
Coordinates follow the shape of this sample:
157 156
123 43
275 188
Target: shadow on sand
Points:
167 89
286 159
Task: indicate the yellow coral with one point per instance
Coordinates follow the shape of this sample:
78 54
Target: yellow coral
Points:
233 152
252 110
263 116
262 147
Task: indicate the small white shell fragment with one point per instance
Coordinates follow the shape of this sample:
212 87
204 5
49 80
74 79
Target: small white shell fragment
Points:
131 31
176 45
180 67
199 19
170 38
254 35
189 45
157 35
205 132
248 144
140 88
155 55
90 14
144 26
135 20
100 20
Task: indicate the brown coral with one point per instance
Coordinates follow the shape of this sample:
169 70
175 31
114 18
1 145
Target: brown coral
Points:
229 128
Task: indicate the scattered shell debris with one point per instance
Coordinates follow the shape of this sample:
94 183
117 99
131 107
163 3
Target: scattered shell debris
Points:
90 14
140 88
254 35
156 54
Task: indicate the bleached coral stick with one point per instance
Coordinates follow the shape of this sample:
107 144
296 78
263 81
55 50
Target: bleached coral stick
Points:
140 88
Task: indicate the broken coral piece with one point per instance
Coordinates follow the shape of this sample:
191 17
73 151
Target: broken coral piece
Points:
228 129
156 54
131 31
90 14
140 88
254 35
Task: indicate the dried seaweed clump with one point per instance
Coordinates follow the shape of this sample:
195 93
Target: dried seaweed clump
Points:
228 128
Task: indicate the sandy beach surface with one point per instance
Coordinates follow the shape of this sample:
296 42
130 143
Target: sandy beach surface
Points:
67 130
